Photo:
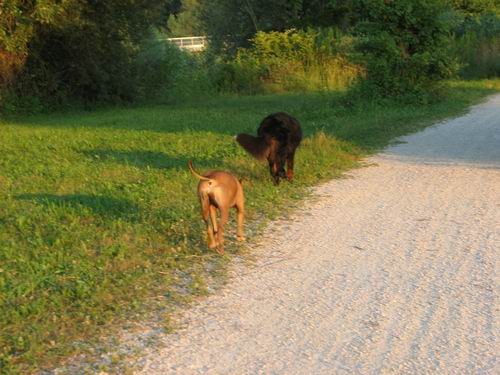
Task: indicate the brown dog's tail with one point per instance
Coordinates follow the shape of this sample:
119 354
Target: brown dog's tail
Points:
196 174
255 146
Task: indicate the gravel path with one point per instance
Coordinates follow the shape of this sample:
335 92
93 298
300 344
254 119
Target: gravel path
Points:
390 271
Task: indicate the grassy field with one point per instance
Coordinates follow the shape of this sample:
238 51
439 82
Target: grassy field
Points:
98 212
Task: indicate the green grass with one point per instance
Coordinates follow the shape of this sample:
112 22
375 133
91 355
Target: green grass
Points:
98 212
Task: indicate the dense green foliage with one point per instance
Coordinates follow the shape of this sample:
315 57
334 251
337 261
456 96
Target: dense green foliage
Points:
168 74
56 53
233 23
293 60
405 46
99 214
473 8
187 21
18 23
476 45
74 50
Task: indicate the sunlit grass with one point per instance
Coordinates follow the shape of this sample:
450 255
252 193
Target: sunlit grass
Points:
98 211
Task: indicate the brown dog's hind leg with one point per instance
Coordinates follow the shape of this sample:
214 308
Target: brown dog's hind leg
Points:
205 212
240 234
213 217
224 217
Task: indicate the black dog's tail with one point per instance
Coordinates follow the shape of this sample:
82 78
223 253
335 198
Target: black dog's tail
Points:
255 146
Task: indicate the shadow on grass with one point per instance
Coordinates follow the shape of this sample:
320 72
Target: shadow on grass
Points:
101 205
150 159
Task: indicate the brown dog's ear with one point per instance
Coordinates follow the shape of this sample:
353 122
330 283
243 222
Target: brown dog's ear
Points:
255 146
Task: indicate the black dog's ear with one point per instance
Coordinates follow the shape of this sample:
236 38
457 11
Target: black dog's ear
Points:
255 146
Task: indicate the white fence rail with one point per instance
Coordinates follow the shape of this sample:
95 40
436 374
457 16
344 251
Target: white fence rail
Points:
190 43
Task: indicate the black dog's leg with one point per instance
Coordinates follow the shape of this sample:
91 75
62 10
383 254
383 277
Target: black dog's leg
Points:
289 165
273 169
282 159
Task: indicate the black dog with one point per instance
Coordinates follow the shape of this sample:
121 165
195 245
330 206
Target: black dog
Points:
278 137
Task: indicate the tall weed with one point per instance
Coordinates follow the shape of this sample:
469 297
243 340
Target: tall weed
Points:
477 47
293 60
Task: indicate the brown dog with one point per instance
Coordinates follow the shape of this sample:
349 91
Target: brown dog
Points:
219 190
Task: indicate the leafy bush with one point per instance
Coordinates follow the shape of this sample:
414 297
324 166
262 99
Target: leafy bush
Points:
235 77
77 51
403 45
291 61
164 73
477 46
231 24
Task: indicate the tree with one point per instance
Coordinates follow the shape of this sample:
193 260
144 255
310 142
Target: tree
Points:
405 45
79 49
18 21
474 8
186 22
232 23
